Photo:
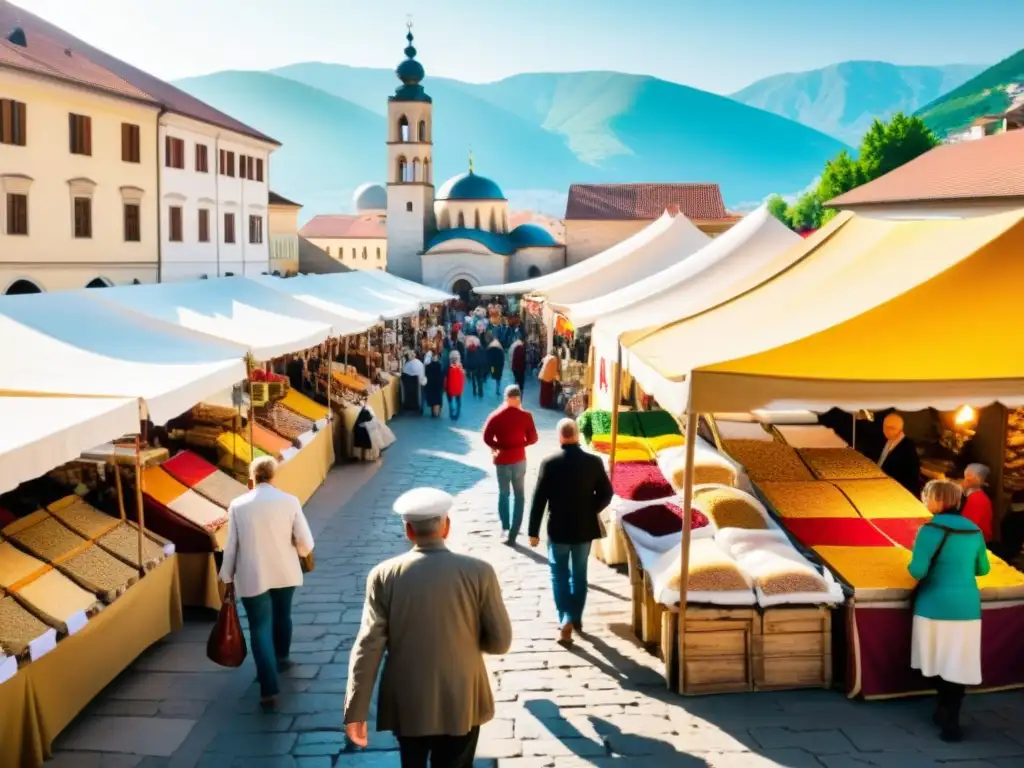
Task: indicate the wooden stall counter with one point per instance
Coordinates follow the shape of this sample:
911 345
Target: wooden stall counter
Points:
306 471
44 697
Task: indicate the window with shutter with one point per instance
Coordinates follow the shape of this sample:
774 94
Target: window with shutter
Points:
130 146
83 217
202 161
259 169
229 227
132 222
204 225
231 164
80 134
175 235
17 214
174 153
12 122
255 229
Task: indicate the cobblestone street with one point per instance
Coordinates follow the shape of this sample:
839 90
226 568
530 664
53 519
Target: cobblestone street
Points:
602 703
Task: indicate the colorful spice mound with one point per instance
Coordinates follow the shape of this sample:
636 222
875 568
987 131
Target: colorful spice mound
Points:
48 539
304 406
82 518
840 464
730 508
101 573
663 519
882 498
640 482
870 567
284 422
711 570
123 541
18 627
813 499
836 532
1001 576
708 469
902 530
768 461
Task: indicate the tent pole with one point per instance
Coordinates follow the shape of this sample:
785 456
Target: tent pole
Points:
691 443
616 395
252 410
138 500
330 375
119 487
591 374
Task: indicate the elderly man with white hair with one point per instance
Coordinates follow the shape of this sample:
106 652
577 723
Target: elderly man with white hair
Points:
977 506
436 613
574 488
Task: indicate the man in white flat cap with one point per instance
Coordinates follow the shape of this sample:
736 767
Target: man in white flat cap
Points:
436 613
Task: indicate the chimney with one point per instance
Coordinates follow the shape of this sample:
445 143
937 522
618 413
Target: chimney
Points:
672 209
17 37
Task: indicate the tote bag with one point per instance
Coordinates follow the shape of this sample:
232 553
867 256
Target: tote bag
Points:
226 646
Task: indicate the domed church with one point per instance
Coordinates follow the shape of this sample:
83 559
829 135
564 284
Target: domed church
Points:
459 237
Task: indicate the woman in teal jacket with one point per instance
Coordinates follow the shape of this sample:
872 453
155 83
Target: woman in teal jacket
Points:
949 552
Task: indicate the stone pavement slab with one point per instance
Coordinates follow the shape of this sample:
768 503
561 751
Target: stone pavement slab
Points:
603 703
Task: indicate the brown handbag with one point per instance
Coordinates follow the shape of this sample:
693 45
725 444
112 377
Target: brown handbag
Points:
306 563
226 646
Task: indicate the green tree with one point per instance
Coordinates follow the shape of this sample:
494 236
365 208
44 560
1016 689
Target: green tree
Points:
842 173
806 213
778 208
887 146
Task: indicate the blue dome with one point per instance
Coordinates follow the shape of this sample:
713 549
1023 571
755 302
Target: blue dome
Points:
493 241
531 236
469 186
410 72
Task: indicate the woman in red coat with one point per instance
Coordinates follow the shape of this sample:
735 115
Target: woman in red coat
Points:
454 383
977 506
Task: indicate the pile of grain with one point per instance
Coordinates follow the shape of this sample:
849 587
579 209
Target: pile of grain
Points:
15 565
82 518
710 570
123 542
730 508
813 499
18 627
709 468
101 573
882 498
870 567
840 464
219 416
771 561
768 461
56 599
283 421
48 539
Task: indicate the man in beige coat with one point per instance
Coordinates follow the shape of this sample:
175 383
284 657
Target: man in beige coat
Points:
435 613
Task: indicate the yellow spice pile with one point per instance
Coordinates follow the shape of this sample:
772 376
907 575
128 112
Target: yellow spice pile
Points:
882 498
768 461
814 499
840 464
730 508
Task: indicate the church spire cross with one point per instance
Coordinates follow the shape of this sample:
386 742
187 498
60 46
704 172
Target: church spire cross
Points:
471 159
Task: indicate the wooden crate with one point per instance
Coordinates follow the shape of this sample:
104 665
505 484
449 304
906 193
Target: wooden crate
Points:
793 648
715 653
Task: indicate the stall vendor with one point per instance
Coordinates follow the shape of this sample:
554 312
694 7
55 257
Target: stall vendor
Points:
899 459
977 506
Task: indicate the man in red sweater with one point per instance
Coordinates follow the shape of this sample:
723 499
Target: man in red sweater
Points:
508 432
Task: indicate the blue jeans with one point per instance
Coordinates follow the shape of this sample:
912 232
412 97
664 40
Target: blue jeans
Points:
569 580
513 475
270 633
455 406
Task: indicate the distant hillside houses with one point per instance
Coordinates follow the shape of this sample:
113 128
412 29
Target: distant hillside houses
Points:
988 125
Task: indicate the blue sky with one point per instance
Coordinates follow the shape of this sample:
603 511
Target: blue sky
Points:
717 45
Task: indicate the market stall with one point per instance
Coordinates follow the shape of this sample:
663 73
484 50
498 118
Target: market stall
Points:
77 602
855 302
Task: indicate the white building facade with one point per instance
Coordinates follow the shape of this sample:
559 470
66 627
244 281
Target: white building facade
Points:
214 192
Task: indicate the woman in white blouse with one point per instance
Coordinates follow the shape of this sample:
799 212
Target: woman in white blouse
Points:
267 534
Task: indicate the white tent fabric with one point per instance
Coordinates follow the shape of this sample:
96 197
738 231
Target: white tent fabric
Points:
421 292
716 270
72 344
373 287
241 311
41 433
347 294
660 244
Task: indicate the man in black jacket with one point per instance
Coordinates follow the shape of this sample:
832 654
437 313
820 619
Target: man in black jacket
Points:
575 488
899 459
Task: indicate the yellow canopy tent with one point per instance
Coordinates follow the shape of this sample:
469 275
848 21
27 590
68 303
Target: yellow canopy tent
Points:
876 313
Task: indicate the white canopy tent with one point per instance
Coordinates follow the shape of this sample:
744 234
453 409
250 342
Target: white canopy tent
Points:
662 243
41 433
421 292
326 296
345 291
72 344
235 309
374 287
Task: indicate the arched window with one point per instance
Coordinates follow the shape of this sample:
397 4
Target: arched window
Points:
426 171
534 271
22 287
403 169
504 222
476 219
462 220
98 282
408 207
416 170
403 128
462 289
494 222
423 130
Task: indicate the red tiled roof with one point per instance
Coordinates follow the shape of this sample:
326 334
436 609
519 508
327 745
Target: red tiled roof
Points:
343 225
644 201
275 199
171 98
987 168
44 56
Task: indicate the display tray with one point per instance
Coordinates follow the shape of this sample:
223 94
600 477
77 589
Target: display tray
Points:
123 543
282 421
878 574
882 498
304 406
199 510
19 628
834 464
99 572
270 442
204 478
768 461
82 518
221 489
44 536
807 500
16 566
58 601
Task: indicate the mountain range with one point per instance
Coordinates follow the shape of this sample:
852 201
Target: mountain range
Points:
841 100
535 134
984 94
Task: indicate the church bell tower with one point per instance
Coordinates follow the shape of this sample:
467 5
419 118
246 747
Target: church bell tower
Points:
410 176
